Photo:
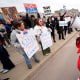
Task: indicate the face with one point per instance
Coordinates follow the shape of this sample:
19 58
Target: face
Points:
58 18
33 18
21 27
8 22
49 20
40 22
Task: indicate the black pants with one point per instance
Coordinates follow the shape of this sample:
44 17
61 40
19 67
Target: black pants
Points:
61 35
53 35
4 57
65 30
8 34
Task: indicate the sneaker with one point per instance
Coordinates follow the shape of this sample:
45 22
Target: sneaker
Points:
54 41
5 71
8 46
5 47
29 66
2 70
63 38
46 54
37 61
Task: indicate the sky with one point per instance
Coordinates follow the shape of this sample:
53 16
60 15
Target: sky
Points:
54 4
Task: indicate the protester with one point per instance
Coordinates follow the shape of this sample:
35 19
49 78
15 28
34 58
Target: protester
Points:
4 57
33 21
65 29
19 26
30 20
59 29
51 24
8 28
37 30
3 31
69 29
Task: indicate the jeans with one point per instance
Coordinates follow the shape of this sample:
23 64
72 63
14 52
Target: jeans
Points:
28 60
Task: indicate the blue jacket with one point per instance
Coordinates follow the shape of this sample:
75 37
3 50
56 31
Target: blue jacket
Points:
8 28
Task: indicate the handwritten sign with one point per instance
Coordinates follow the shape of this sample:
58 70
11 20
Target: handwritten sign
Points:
47 10
28 41
67 19
63 23
30 8
46 39
10 12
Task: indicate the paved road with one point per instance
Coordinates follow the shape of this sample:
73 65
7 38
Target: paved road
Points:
62 66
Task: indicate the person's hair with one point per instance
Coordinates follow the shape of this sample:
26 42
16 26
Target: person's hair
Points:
1 21
17 24
37 21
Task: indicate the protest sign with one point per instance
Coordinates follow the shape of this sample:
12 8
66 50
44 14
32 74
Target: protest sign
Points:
67 19
46 39
10 13
75 22
28 41
30 8
63 23
47 10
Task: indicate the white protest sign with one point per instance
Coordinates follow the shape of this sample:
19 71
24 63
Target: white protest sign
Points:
47 10
46 39
67 19
76 23
63 23
28 41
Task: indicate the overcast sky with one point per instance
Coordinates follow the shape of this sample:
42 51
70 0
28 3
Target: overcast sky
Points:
55 4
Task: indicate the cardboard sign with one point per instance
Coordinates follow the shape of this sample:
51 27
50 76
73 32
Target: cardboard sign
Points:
67 19
28 41
75 23
47 10
46 39
10 12
63 23
30 8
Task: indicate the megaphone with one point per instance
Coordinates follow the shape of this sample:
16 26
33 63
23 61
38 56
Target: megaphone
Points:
75 22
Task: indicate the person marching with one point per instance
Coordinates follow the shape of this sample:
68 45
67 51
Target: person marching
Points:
4 57
51 24
37 30
60 28
19 26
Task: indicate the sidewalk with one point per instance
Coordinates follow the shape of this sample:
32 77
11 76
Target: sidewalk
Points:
21 72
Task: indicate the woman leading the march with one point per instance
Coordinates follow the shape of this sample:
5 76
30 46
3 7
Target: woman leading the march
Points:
38 29
19 27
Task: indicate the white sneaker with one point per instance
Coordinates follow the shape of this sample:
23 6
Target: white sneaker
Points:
8 46
5 71
5 47
2 70
46 54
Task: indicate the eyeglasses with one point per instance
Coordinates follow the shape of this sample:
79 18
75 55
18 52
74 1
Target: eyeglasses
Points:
40 21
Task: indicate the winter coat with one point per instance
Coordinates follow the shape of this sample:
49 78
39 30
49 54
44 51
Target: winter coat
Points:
8 28
15 42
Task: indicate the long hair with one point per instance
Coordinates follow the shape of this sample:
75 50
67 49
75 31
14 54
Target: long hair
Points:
37 22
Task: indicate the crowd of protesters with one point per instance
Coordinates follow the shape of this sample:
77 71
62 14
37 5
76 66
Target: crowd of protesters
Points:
10 27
